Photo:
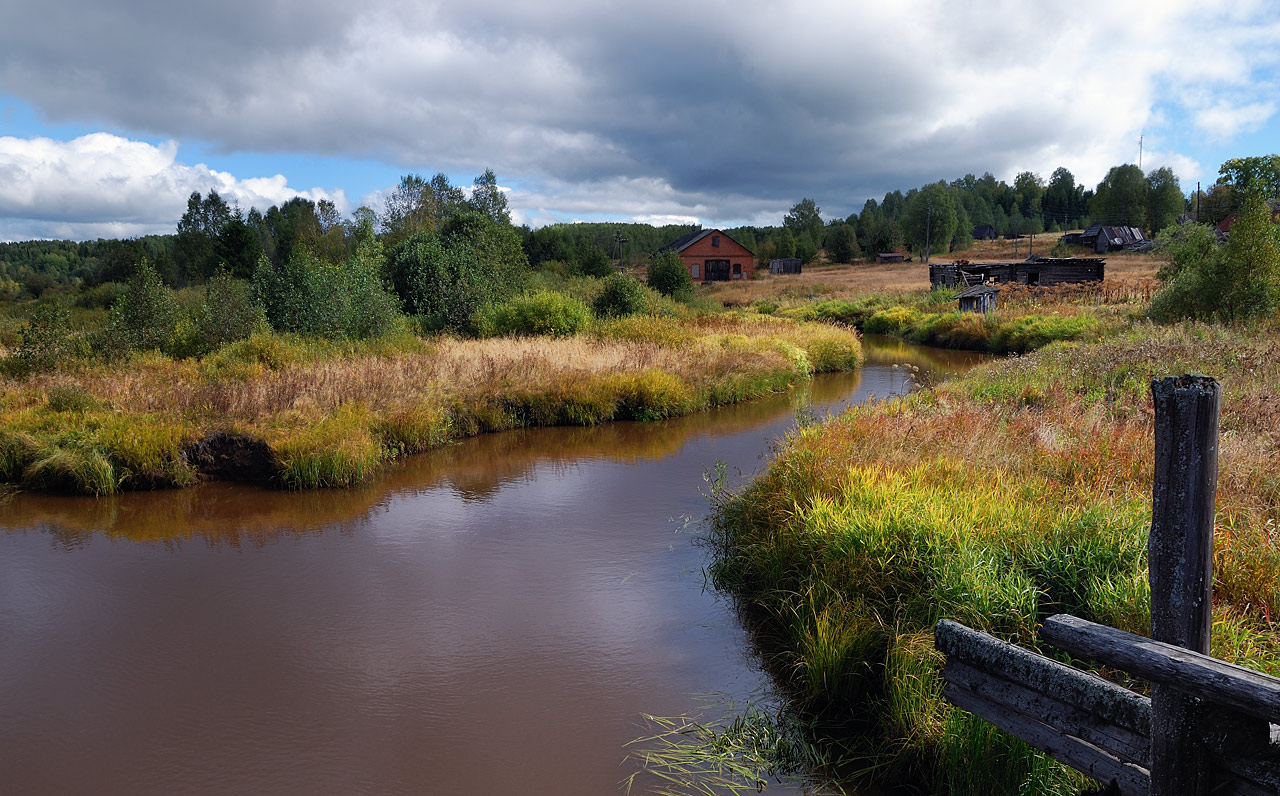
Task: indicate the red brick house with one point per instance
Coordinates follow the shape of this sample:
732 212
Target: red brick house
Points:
712 256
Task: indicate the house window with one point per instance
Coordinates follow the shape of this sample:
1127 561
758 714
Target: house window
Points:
715 240
737 270
696 268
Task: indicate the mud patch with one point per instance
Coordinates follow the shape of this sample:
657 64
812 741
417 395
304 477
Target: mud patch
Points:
233 457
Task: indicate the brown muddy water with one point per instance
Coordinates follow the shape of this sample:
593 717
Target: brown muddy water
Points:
489 618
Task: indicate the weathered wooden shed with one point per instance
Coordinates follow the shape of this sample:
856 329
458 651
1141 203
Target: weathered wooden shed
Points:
785 265
979 298
1043 271
890 257
984 232
712 256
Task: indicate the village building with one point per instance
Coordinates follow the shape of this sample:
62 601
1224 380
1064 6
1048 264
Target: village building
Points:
786 265
979 298
712 256
984 232
1043 271
890 257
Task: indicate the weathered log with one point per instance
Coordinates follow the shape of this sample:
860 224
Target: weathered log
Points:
1081 755
1209 679
1058 681
1122 743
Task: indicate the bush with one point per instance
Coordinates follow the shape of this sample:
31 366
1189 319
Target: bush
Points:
542 313
144 317
1205 280
228 311
669 276
621 295
593 261
447 278
45 342
312 297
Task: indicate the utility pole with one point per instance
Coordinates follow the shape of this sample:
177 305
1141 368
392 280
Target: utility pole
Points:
1197 201
1139 151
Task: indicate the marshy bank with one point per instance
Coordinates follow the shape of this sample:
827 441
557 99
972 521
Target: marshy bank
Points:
1018 491
486 617
305 413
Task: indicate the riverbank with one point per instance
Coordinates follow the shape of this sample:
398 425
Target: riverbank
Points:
1020 490
305 414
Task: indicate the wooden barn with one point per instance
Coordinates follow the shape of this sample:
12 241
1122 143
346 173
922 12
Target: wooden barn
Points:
712 256
984 232
1042 271
890 257
785 265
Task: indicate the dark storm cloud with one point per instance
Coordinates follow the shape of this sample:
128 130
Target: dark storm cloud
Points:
732 106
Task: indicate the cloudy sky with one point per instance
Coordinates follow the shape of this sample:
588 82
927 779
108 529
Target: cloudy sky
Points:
111 114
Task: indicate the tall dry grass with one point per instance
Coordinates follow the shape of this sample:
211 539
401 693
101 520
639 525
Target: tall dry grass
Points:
331 415
1018 491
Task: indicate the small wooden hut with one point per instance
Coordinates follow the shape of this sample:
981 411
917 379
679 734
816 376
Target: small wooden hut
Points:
979 298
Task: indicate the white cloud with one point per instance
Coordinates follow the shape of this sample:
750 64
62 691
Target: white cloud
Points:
732 110
106 185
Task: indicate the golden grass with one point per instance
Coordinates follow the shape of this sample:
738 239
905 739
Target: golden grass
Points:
330 415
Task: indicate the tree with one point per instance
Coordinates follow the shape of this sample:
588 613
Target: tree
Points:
929 220
804 217
1028 189
1165 201
487 198
1058 203
594 261
198 232
842 243
238 246
1206 280
1121 198
144 317
446 278
410 209
1261 172
670 276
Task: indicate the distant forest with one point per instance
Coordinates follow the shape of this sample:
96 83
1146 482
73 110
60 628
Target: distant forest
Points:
940 216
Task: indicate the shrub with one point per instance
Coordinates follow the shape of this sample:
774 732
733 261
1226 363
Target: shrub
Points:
542 313
70 398
669 276
45 342
593 261
621 295
144 317
309 296
446 278
229 312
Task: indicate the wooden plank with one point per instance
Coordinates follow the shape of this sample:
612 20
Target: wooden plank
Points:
1123 744
1214 681
1180 562
1081 755
1058 681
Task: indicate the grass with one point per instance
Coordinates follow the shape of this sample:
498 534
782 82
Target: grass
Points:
1018 491
333 412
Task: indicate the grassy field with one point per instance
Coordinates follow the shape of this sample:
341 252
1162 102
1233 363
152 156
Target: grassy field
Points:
1018 491
331 413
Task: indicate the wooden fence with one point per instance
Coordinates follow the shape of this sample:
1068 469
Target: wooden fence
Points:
1207 726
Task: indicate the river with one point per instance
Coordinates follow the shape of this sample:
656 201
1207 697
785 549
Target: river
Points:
489 618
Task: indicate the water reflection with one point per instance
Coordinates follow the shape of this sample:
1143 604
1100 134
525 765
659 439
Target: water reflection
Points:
486 618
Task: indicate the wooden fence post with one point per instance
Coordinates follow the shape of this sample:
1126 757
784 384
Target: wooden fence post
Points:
1180 562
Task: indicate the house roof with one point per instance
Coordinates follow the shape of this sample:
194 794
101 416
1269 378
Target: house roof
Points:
977 290
685 241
